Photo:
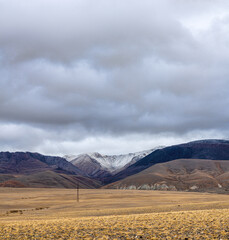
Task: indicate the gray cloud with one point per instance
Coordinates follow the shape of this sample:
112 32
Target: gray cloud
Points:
90 75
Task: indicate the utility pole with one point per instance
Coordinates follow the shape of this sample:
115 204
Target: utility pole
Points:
78 192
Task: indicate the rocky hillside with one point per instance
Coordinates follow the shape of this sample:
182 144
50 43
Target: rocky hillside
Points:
205 149
36 170
182 175
98 166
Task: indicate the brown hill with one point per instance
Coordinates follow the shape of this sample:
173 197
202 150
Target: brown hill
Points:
182 175
213 149
29 163
48 179
35 170
12 183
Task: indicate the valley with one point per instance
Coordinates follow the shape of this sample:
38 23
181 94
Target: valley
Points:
110 214
175 192
198 166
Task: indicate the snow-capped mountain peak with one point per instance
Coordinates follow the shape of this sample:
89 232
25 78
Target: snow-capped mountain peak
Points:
96 163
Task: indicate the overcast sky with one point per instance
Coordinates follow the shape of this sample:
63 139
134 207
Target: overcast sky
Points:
112 76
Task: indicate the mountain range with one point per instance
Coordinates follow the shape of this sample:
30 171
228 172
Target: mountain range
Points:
199 165
195 166
103 167
25 169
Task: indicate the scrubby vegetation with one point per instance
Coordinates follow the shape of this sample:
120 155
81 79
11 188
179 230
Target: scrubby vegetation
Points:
200 224
105 214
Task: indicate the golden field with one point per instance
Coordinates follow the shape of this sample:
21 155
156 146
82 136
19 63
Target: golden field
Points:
112 214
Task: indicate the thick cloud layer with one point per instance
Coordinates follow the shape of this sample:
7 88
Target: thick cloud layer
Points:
112 76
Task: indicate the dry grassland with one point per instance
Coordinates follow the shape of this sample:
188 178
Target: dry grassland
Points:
112 214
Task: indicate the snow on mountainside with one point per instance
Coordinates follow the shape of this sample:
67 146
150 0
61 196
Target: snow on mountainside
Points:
96 164
70 157
115 162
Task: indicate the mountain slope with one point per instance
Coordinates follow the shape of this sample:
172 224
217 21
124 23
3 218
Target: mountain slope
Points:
204 149
88 164
49 179
36 170
26 162
104 166
182 174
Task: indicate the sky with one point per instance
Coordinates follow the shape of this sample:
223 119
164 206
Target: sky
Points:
112 76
